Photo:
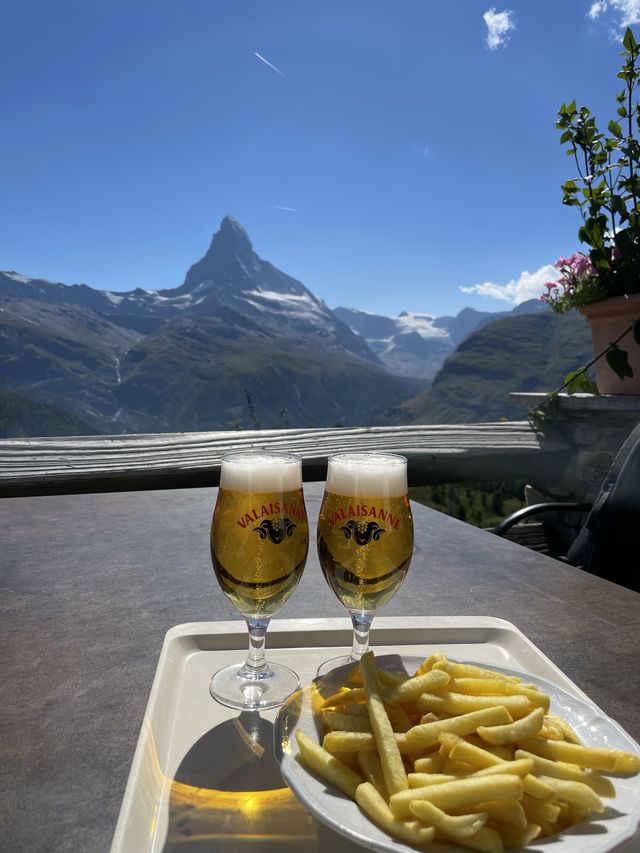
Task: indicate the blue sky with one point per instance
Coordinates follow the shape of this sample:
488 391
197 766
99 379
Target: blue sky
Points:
385 153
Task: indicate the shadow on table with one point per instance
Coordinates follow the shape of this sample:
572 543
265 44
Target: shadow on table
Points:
228 795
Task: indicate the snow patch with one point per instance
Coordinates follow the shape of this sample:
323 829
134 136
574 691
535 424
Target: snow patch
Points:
15 276
114 298
243 267
295 304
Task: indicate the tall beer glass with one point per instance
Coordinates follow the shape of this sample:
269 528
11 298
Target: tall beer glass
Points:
259 544
365 537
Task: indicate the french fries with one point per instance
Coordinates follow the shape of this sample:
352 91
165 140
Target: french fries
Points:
395 776
327 765
428 734
458 753
511 732
377 809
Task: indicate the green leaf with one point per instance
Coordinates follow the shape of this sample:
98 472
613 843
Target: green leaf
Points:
584 236
567 136
624 242
629 40
593 231
578 382
618 361
600 258
615 128
547 410
622 111
618 206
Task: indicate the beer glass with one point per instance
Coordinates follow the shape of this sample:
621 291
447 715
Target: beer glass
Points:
259 544
365 537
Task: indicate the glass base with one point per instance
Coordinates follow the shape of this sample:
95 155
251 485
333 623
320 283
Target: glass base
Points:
268 690
334 663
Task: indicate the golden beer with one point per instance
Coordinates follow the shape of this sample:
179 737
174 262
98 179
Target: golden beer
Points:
365 538
365 544
259 544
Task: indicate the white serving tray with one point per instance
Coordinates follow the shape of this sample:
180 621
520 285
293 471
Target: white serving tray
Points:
205 779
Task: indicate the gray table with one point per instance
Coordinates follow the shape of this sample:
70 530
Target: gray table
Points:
91 583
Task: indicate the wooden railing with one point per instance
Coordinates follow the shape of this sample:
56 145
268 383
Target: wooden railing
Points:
436 454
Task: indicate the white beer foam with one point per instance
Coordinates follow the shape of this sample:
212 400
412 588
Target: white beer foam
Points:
367 475
260 472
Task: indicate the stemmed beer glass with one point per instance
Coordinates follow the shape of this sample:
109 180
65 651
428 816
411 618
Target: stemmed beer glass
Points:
259 544
365 537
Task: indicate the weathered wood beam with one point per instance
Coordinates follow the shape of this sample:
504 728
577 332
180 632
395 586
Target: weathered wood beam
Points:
437 454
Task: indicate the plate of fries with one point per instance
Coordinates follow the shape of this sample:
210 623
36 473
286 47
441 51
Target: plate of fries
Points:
402 753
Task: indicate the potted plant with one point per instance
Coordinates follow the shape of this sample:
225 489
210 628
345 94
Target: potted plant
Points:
603 282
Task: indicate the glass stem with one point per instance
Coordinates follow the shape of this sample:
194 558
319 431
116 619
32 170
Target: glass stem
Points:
256 665
361 624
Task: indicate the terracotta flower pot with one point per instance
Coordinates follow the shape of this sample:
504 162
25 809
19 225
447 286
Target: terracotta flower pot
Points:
608 319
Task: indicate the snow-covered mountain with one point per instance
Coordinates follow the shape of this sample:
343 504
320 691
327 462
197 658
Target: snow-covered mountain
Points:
230 278
408 345
417 344
237 342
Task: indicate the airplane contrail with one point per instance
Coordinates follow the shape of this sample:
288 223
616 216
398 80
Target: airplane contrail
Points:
288 209
266 62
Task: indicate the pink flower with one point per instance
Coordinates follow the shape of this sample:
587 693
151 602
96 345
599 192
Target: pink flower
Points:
615 254
551 285
562 262
581 265
578 265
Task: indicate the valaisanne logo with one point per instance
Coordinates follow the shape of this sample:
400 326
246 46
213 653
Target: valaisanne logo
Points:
362 532
276 531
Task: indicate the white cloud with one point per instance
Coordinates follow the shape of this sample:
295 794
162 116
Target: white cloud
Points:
596 9
627 11
528 285
499 25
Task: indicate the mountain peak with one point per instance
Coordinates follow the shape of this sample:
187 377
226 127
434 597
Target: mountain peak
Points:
232 235
230 254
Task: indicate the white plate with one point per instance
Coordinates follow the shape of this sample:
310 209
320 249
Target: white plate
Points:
605 832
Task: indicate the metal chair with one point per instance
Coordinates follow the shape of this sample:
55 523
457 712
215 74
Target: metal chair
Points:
607 542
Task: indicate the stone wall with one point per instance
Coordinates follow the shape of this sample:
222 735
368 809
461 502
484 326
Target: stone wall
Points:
594 426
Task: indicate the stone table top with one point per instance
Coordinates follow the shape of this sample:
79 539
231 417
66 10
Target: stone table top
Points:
91 583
